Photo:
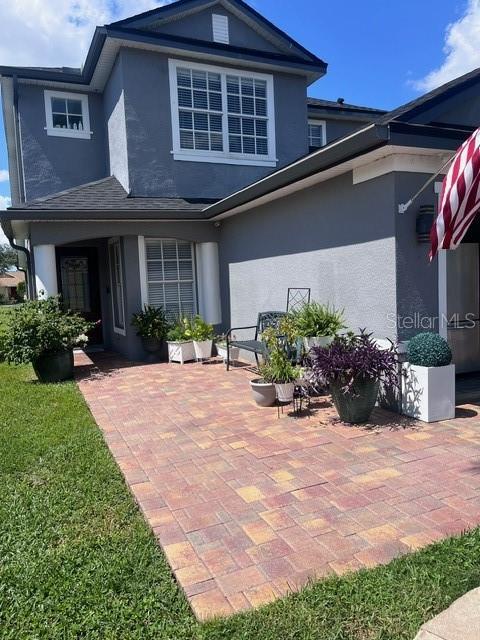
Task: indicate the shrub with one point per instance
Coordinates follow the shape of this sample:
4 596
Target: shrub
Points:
429 350
315 319
41 327
151 323
354 357
278 368
176 333
197 329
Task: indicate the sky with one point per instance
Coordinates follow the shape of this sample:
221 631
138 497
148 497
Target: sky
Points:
379 54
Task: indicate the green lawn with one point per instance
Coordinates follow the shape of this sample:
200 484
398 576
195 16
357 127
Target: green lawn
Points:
78 561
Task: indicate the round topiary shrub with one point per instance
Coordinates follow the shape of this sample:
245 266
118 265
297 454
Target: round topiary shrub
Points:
429 350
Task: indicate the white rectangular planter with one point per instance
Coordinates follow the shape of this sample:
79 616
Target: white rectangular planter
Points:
428 393
180 351
222 352
203 349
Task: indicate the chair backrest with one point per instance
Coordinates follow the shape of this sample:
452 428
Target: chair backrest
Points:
268 319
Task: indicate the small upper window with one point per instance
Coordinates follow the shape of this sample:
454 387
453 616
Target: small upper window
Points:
220 28
317 135
67 114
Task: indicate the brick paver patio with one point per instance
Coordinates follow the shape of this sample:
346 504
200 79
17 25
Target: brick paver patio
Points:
248 507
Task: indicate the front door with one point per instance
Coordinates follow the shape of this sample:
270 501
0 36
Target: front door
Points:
78 278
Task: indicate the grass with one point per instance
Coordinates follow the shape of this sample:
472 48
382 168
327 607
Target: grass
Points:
78 560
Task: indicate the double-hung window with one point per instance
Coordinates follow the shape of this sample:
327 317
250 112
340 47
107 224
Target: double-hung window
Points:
317 135
170 276
221 115
67 114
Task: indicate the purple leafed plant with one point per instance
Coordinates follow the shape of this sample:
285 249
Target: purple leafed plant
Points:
353 358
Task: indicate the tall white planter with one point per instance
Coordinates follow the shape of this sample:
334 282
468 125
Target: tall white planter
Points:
181 351
203 349
428 393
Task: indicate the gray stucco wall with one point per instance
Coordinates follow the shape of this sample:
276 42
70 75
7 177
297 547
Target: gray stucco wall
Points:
153 171
114 113
53 163
339 128
66 232
417 278
335 237
199 26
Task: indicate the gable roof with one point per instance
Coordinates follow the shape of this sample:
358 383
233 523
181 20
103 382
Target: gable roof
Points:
109 195
11 278
428 100
107 40
241 9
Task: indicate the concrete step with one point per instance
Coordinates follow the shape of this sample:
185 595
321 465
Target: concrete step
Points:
461 621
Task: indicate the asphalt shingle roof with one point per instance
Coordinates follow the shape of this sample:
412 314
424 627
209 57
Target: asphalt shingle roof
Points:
334 104
109 195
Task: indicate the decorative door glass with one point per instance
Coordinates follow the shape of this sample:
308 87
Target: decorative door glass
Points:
75 284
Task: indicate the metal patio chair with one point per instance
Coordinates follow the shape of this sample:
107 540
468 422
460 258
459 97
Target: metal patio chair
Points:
256 346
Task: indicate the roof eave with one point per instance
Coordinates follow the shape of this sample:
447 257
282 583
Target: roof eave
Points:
347 148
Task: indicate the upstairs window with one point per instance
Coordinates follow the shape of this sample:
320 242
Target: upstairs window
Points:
67 114
317 134
219 115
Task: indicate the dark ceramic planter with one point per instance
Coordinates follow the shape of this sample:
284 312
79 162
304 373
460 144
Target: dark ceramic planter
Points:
54 367
356 406
152 345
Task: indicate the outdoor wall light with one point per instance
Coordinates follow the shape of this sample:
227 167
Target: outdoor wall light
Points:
424 222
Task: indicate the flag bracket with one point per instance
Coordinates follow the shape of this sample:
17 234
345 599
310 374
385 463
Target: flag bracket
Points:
403 208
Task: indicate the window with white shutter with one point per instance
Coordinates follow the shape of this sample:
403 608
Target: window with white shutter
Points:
170 275
221 115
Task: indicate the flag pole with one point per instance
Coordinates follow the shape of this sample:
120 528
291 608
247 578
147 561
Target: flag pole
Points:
402 208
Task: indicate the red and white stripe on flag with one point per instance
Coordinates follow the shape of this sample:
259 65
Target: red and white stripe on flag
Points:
460 197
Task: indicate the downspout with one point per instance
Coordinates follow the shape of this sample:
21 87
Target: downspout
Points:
31 293
29 273
18 144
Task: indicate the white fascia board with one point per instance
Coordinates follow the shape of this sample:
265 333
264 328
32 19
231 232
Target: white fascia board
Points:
403 159
436 157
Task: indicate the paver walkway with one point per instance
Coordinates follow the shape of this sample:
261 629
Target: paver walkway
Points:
248 506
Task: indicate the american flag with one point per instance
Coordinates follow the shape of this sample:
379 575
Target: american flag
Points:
460 197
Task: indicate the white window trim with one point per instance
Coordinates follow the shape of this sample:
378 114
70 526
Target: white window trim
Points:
67 133
323 124
221 157
119 330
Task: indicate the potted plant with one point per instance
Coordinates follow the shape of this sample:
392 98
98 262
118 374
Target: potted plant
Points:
152 327
354 366
42 333
221 347
180 347
279 370
202 335
318 324
428 379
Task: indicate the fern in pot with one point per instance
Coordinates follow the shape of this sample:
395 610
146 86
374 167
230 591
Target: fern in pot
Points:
354 366
318 324
152 328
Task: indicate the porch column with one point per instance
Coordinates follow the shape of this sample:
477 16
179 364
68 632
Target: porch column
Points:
45 270
208 273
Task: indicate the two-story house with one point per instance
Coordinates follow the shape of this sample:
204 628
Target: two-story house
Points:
184 165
